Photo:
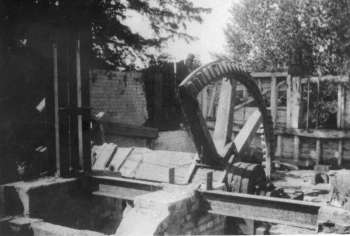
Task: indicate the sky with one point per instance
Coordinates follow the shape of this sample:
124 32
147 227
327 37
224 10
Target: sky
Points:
210 32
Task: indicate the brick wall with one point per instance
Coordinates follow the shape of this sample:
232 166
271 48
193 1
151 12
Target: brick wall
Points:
170 212
120 95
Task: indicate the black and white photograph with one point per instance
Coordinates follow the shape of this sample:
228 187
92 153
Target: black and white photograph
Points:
174 117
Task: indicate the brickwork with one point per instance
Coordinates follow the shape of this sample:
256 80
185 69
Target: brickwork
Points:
170 212
120 95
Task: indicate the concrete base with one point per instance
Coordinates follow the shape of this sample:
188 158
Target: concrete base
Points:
61 201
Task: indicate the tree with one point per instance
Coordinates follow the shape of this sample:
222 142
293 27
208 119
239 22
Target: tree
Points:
113 42
263 35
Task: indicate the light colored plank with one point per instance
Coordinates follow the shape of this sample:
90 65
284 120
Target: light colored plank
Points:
224 117
274 100
318 151
296 149
212 102
248 131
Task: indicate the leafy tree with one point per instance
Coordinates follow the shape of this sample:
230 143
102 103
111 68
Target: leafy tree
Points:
313 34
114 43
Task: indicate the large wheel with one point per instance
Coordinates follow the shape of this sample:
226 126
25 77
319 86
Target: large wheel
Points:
189 90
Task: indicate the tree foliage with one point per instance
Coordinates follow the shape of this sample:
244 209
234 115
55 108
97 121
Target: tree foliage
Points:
314 34
114 43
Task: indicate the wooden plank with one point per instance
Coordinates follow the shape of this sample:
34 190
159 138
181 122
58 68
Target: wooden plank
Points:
124 182
171 175
318 151
274 100
212 102
279 146
340 79
191 172
224 117
209 185
119 158
296 102
204 97
157 98
340 153
261 208
105 156
289 102
248 131
341 106
269 74
56 110
296 148
315 133
129 130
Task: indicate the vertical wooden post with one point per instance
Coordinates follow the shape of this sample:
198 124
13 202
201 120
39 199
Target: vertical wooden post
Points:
294 111
157 98
318 151
79 105
210 180
224 116
340 120
274 99
289 101
296 149
56 110
204 98
212 102
172 175
279 146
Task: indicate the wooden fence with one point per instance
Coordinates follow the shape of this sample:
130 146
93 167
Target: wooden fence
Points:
293 142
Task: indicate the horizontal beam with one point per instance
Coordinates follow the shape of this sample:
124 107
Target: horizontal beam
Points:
315 133
123 182
261 208
269 74
129 130
331 78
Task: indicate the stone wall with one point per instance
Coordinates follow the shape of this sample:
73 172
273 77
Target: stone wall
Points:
120 95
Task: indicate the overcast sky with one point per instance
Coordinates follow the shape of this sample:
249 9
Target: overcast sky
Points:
210 32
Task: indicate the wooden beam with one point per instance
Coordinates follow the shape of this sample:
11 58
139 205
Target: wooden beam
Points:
204 98
339 79
340 120
274 100
172 175
315 133
157 98
279 146
289 102
261 208
209 185
296 102
56 109
224 116
79 105
248 131
296 148
318 151
212 102
129 130
269 74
